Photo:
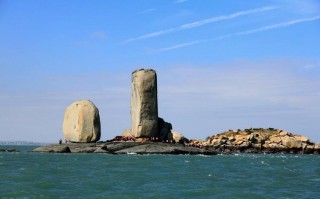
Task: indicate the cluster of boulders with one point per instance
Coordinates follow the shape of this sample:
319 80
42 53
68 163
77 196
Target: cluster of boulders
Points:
262 140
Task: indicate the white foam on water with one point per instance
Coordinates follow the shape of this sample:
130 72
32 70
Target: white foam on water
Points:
202 155
288 169
186 161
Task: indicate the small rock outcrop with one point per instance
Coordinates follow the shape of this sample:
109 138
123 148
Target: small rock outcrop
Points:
164 130
179 138
262 140
82 122
144 103
125 148
9 150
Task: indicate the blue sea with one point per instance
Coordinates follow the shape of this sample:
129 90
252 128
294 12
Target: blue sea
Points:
46 175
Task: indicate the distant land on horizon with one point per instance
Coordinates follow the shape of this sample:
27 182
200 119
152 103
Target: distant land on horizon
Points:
23 143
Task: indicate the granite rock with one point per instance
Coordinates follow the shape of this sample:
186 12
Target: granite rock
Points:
144 103
82 122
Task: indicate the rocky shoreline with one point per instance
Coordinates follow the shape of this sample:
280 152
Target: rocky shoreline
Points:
147 147
229 142
9 150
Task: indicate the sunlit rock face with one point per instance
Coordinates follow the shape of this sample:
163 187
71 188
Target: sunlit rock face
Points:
144 103
82 122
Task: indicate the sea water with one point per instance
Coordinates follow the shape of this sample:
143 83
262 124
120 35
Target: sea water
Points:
48 175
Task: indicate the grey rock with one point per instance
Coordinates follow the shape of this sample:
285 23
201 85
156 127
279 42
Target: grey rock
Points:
164 130
53 148
126 147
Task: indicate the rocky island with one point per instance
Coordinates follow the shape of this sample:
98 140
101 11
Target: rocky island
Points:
150 134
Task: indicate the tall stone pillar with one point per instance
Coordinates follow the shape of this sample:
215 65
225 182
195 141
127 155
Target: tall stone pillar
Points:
144 103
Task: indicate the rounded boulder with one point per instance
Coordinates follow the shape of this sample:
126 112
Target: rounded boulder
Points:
82 122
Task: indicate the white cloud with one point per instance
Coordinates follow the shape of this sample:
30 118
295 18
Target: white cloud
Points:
252 31
200 23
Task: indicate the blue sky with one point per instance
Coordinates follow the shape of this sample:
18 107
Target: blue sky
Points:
221 64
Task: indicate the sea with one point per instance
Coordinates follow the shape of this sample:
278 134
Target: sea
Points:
48 175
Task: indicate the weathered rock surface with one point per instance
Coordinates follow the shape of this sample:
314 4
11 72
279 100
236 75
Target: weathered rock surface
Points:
144 103
82 122
256 140
126 148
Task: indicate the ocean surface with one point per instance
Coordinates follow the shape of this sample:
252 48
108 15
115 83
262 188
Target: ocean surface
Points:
45 175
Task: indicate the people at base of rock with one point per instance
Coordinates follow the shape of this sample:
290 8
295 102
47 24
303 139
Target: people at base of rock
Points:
194 144
124 138
60 141
133 138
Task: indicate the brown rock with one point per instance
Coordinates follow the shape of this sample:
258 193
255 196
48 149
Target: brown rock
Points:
275 139
290 142
301 138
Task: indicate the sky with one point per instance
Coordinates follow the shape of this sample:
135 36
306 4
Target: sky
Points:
221 64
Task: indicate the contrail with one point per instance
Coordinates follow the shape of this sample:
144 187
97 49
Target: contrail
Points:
199 23
265 28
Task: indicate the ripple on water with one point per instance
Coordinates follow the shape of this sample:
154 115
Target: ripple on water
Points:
117 176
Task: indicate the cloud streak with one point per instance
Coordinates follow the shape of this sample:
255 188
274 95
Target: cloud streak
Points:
225 17
199 23
180 1
181 45
248 32
279 25
147 11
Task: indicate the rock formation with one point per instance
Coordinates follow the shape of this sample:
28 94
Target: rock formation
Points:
164 130
144 103
261 140
125 148
179 138
82 122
